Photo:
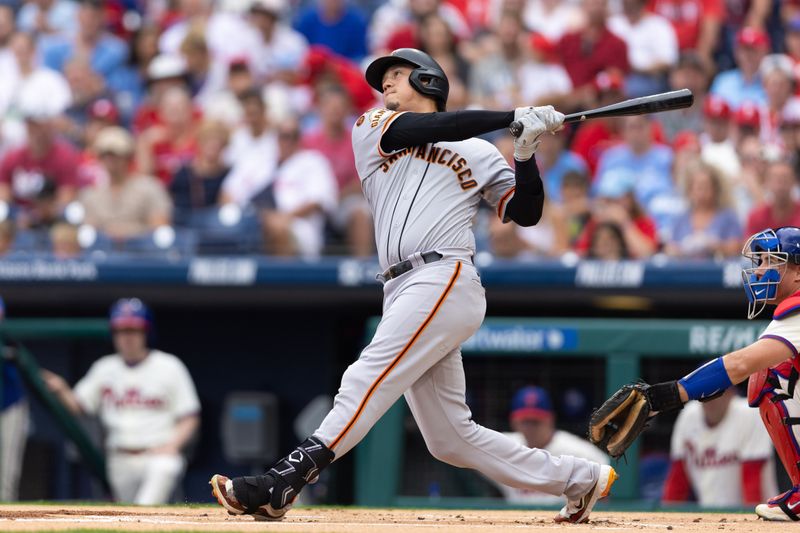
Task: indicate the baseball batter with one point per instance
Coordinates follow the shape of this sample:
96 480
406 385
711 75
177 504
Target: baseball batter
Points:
147 405
423 175
771 363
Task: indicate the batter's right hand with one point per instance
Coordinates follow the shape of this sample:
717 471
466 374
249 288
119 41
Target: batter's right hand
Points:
528 141
523 111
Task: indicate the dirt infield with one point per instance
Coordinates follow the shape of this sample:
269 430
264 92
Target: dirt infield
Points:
319 520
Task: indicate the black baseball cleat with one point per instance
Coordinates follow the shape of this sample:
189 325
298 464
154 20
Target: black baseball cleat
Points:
222 488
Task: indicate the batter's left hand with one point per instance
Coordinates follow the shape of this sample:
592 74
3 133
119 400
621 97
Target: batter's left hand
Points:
553 120
527 142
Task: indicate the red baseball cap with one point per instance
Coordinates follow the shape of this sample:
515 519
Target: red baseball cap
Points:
543 45
752 37
684 140
716 107
608 81
531 403
748 115
104 109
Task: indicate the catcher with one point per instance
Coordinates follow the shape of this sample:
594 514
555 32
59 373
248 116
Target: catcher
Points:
771 363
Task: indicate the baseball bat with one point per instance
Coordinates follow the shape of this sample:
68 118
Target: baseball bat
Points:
655 103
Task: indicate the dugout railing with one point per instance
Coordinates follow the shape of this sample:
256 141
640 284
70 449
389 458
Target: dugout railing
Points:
13 334
623 344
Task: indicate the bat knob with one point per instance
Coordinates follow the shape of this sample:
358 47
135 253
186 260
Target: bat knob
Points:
515 128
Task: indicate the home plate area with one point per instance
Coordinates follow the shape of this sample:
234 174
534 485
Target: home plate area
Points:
354 520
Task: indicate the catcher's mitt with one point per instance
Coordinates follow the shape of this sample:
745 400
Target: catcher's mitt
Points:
616 424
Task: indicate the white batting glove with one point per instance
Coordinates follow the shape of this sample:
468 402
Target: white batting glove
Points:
527 142
522 111
553 120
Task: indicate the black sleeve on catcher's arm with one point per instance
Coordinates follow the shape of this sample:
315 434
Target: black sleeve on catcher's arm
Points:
414 129
525 207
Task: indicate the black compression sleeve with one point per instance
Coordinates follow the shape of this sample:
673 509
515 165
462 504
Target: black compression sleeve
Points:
414 129
525 207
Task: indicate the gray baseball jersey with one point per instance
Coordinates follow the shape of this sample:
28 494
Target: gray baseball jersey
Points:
424 199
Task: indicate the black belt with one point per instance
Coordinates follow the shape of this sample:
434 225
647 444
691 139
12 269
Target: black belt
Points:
398 269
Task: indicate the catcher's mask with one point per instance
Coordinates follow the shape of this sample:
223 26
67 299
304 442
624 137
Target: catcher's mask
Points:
769 251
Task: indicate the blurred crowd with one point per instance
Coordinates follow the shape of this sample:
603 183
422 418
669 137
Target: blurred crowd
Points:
202 126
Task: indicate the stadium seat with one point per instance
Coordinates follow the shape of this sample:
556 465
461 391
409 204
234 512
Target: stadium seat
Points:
219 233
159 244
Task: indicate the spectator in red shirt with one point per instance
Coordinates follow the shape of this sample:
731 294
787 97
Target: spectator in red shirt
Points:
697 23
332 140
780 208
102 114
26 171
322 65
593 49
162 149
595 137
163 72
616 204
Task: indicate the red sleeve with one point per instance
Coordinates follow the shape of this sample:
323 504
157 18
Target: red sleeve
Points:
621 56
647 227
7 166
69 159
714 9
585 238
677 487
754 221
751 481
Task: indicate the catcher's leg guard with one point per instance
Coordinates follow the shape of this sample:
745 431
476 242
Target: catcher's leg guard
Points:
772 391
273 492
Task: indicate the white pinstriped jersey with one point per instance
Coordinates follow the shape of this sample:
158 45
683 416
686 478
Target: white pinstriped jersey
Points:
425 198
138 405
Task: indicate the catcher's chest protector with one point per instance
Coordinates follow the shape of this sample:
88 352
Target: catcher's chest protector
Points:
773 392
787 307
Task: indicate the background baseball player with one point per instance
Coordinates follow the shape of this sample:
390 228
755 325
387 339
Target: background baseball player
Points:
14 424
771 363
424 174
533 424
147 405
721 454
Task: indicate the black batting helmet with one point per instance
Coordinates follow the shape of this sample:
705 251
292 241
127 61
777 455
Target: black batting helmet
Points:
427 77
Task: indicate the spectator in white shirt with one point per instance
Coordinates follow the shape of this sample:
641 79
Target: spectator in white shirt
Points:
652 47
281 49
299 195
552 18
253 152
227 34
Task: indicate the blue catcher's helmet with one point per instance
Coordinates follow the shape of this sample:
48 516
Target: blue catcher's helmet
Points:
130 313
769 251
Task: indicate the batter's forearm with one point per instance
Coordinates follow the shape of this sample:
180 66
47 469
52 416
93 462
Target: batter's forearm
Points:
525 207
415 129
